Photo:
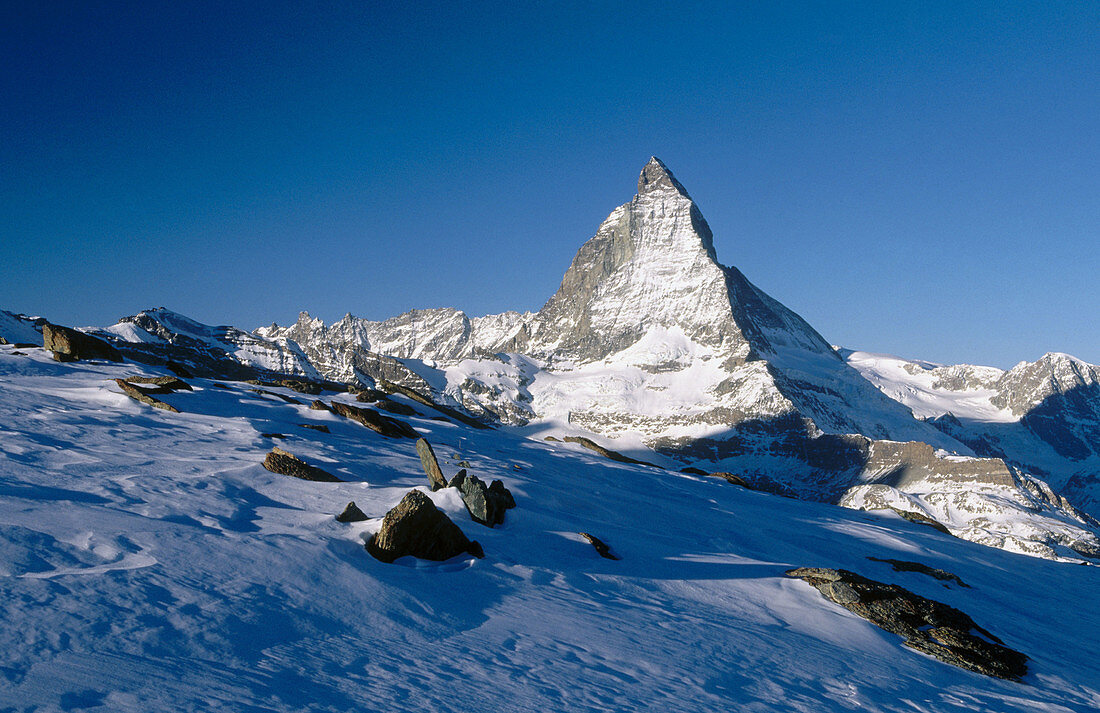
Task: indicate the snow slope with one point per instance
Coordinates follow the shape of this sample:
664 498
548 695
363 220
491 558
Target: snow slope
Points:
148 562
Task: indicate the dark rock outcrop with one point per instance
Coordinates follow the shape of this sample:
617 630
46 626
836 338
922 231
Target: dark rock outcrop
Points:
178 369
319 405
694 471
486 504
928 626
416 527
71 345
386 426
906 566
601 547
288 399
315 427
605 452
352 513
283 463
138 395
280 436
430 463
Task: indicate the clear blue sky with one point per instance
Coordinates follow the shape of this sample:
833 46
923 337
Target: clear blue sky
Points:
918 180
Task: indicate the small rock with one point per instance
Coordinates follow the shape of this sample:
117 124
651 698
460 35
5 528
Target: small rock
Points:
601 547
303 387
730 478
551 438
416 527
138 395
71 345
352 513
484 505
694 471
315 427
179 370
280 436
288 399
430 464
283 463
167 383
456 482
319 405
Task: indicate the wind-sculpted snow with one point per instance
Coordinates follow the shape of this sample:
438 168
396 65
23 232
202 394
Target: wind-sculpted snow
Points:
149 562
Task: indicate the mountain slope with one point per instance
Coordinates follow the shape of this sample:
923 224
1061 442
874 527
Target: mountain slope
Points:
152 564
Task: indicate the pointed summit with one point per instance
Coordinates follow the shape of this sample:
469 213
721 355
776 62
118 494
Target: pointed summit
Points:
655 176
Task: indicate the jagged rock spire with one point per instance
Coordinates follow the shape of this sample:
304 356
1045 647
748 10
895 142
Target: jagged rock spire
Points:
655 176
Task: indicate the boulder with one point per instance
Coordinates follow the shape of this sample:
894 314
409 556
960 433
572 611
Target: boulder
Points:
352 513
601 547
389 427
416 527
486 504
497 489
283 463
71 345
138 395
430 463
927 625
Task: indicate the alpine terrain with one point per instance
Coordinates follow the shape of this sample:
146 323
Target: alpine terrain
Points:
627 500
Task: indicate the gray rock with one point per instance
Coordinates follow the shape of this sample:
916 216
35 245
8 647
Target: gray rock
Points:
927 625
430 464
71 345
485 505
456 481
283 463
416 527
352 513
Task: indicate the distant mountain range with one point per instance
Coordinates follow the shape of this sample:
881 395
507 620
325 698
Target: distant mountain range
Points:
656 349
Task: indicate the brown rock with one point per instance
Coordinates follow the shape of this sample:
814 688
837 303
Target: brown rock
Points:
139 395
71 345
416 527
283 463
430 464
601 547
375 421
352 513
606 452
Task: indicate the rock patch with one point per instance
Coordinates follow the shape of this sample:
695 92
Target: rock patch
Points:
384 425
601 547
315 427
606 452
162 384
730 478
283 463
352 513
927 625
906 566
416 527
71 345
430 464
138 395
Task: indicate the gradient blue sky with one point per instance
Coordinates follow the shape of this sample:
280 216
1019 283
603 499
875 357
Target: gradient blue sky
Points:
918 180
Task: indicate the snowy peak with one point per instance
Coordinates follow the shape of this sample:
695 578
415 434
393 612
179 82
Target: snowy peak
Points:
655 176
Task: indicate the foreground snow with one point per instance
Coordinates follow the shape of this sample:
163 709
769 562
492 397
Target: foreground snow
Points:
148 562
